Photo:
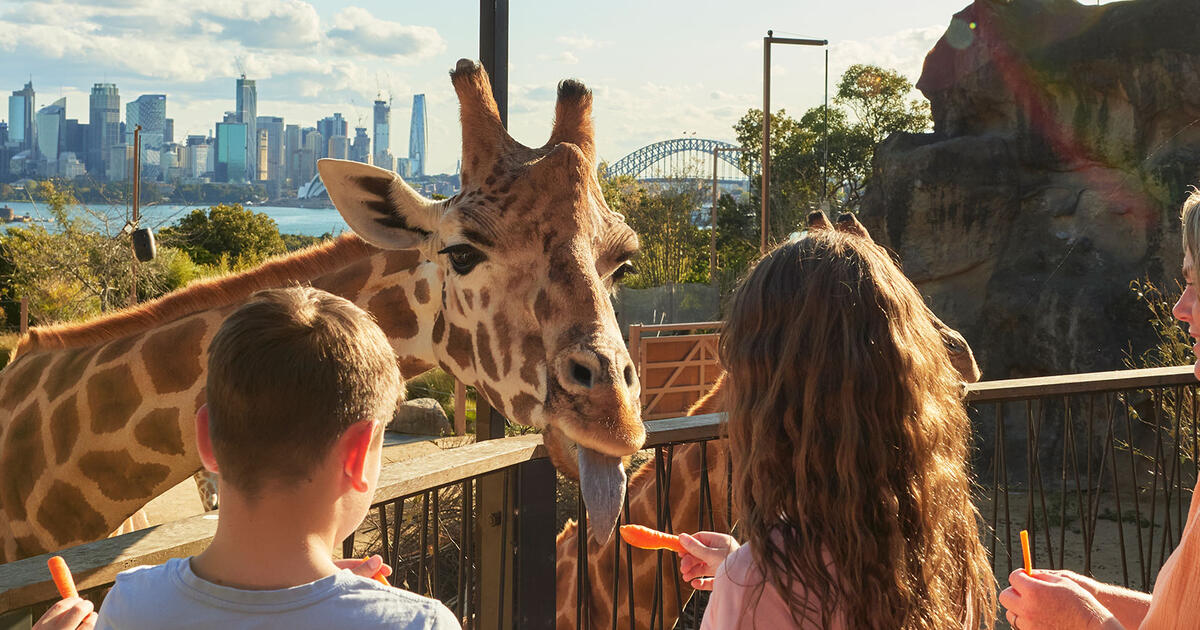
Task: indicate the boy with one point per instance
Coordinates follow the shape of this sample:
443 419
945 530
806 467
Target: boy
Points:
300 384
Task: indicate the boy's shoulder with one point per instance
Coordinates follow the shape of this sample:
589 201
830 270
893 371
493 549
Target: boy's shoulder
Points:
145 595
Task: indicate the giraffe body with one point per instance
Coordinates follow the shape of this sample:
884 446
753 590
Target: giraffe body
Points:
505 285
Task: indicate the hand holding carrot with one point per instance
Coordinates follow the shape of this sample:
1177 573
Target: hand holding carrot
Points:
643 537
703 553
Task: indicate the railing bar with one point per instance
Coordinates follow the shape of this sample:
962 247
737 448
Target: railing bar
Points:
473 590
422 568
705 500
506 510
1094 512
629 561
1092 488
1158 474
1116 479
1007 511
348 546
1040 420
1068 449
617 543
463 535
437 543
659 468
670 523
1137 500
582 595
383 531
397 536
1030 457
1177 487
997 454
1169 482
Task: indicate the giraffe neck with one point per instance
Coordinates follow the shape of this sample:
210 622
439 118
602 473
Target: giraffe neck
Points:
90 433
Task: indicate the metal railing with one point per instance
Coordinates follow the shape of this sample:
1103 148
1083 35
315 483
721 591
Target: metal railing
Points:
1098 467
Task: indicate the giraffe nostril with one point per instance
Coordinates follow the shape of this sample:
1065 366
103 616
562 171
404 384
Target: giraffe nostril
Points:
628 376
581 374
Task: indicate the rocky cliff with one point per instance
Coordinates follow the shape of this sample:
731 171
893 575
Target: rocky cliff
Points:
1065 138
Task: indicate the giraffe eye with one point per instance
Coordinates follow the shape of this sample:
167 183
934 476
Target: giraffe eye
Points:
463 258
626 269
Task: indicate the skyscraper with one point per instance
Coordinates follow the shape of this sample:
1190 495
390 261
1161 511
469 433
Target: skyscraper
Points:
292 144
104 126
51 130
22 132
383 144
416 136
229 165
329 127
247 113
274 127
149 111
360 148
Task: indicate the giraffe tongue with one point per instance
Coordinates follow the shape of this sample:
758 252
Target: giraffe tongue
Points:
602 482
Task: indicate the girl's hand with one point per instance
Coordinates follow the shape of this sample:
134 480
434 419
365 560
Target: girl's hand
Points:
705 551
1051 601
72 613
366 568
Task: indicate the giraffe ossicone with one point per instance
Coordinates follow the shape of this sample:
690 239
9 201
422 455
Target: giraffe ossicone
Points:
505 285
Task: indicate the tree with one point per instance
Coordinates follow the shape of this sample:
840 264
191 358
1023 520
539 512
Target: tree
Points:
673 249
242 237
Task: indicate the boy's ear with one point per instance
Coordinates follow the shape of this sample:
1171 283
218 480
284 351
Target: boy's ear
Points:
378 205
204 440
355 447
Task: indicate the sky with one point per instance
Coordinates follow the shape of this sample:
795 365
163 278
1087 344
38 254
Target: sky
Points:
659 69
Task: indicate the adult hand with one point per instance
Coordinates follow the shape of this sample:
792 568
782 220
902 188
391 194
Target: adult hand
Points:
1051 601
71 613
366 568
705 551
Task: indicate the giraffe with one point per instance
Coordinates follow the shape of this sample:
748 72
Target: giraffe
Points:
505 285
691 506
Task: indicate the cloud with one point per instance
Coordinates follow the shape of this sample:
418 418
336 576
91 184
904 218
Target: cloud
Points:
578 42
356 30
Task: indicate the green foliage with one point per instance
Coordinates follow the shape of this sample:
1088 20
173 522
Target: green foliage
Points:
244 237
673 249
293 242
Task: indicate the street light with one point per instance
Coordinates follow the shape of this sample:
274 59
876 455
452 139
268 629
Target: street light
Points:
766 145
712 219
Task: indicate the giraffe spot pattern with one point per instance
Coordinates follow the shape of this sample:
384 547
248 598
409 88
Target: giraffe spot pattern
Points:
485 298
159 431
411 367
535 355
393 313
24 461
113 397
504 338
421 291
64 428
173 356
28 546
400 260
119 477
458 346
24 377
483 343
493 396
439 328
542 309
66 515
522 407
67 371
116 349
348 280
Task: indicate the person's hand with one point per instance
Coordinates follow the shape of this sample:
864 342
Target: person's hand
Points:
705 551
68 614
1052 601
366 568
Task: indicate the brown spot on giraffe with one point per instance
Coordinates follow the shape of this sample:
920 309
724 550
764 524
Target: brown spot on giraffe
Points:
492 396
534 353
439 328
504 338
118 349
26 373
348 280
469 297
159 431
523 404
483 344
69 516
400 260
64 428
119 477
66 372
542 308
411 366
485 298
173 356
24 460
394 314
458 346
27 546
421 291
113 396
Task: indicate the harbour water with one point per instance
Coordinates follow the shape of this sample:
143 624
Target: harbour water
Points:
307 221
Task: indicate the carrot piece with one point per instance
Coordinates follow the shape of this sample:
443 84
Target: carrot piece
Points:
1025 552
379 575
62 577
645 538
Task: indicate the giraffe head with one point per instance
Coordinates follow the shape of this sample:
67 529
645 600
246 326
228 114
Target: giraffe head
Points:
526 256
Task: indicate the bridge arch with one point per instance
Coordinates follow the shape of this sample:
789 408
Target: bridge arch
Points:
639 161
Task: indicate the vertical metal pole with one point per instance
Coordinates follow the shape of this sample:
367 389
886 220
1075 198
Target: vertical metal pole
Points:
766 145
137 194
712 227
825 140
535 570
493 50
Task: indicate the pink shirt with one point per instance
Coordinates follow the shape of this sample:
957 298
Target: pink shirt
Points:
735 588
1176 600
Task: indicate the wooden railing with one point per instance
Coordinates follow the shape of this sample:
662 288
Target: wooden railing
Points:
1121 438
674 370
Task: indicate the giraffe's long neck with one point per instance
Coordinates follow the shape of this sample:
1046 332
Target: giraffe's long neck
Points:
90 433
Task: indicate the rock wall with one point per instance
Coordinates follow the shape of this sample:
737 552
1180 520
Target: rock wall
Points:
1065 138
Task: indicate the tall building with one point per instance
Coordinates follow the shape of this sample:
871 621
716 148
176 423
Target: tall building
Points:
247 113
329 127
274 169
51 133
104 126
306 162
149 111
339 148
229 163
196 157
263 145
416 136
360 148
292 143
383 143
169 131
22 131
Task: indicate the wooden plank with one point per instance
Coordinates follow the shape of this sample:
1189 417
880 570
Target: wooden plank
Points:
650 328
687 429
439 469
1024 388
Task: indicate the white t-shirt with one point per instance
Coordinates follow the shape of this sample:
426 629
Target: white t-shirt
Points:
171 596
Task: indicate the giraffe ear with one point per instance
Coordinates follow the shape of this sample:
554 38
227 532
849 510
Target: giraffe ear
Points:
378 205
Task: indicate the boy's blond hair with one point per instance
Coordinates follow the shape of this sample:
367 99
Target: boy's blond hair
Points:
288 372
1190 217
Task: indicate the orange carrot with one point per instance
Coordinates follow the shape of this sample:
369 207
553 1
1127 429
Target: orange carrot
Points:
645 538
62 577
379 574
1025 552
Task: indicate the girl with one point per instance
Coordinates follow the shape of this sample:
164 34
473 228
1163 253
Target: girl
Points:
849 441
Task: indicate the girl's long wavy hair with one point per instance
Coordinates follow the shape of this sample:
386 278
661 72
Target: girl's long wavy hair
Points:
849 441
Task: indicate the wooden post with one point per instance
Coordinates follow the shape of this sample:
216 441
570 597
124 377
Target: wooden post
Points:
536 570
495 530
24 315
460 408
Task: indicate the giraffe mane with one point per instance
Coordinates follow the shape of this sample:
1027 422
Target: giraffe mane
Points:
200 295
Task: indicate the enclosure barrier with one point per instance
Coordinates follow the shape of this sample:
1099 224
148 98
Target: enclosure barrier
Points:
1098 467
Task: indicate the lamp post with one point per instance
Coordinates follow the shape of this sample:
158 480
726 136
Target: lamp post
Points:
766 145
712 219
